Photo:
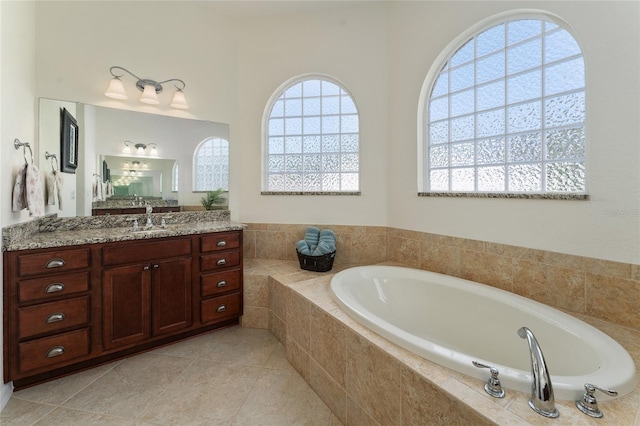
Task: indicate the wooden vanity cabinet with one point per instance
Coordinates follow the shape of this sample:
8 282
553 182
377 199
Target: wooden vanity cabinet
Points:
68 309
146 290
47 309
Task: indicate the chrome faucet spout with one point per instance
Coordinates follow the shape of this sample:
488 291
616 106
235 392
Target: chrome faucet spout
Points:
542 399
149 210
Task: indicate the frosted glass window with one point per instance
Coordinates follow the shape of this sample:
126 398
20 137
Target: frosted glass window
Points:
506 113
211 165
313 139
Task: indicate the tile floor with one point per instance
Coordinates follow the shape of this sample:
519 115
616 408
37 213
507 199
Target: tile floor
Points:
236 376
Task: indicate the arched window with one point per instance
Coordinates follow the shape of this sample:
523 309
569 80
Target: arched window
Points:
211 165
506 113
311 139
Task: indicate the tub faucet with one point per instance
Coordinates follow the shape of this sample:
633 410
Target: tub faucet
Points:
542 400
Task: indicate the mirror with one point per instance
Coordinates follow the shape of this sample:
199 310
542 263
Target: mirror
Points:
103 132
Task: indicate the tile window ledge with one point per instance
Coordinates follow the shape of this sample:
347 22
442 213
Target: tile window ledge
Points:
574 197
310 193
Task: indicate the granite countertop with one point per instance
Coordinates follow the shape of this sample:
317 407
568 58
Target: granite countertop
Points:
52 231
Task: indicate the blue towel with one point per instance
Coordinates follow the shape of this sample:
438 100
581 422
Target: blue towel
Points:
323 248
312 236
327 236
303 247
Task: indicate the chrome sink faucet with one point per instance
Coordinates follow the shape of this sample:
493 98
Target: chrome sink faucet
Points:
149 223
542 399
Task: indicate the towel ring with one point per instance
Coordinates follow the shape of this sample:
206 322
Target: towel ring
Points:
17 144
53 157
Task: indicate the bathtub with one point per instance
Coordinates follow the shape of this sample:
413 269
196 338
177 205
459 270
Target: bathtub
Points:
452 322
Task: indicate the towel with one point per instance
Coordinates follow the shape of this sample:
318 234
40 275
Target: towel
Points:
50 181
35 198
19 201
303 248
312 236
328 236
59 182
323 248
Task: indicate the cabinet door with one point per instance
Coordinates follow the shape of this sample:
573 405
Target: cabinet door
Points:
171 293
126 305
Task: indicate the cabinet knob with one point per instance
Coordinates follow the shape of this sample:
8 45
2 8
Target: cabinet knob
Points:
221 243
54 288
222 308
146 268
55 351
56 317
222 283
55 263
156 266
221 262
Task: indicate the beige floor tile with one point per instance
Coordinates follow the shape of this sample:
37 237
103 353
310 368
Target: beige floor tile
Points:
127 389
20 412
66 417
58 391
237 345
282 397
207 392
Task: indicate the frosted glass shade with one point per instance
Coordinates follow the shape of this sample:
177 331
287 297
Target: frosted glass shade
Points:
149 95
179 101
116 89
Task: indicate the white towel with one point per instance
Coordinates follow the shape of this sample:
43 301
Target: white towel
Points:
19 201
35 198
50 180
59 182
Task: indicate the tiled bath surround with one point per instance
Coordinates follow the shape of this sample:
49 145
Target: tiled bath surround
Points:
598 288
366 379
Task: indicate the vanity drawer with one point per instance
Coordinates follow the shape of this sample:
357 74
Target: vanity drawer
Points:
220 308
53 261
47 317
220 282
211 262
53 350
44 288
220 241
158 248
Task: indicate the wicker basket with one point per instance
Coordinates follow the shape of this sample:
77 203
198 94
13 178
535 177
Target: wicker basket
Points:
322 263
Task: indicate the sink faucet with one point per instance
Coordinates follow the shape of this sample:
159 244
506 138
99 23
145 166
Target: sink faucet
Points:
149 222
542 400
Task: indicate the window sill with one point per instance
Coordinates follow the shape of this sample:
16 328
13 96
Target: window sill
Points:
532 196
310 193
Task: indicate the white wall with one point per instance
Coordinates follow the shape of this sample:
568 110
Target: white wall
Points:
17 107
346 43
607 226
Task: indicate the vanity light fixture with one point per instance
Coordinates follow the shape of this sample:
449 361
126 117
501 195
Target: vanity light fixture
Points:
150 89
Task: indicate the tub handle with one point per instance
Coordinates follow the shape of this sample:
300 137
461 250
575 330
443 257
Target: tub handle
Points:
588 403
493 386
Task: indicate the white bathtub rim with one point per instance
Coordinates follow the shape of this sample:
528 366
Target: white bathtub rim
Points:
565 387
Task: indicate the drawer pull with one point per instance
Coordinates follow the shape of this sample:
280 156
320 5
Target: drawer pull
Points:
156 266
222 308
221 262
55 351
54 288
57 317
222 243
221 284
55 263
146 268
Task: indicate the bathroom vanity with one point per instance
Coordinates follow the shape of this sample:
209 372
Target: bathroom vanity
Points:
90 296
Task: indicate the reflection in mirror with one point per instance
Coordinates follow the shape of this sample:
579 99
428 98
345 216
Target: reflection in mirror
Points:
103 132
143 177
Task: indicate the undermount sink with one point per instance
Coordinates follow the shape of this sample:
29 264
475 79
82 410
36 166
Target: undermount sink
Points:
150 231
